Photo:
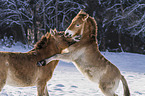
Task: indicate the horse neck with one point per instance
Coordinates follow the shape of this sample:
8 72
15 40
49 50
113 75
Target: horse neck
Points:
51 50
89 31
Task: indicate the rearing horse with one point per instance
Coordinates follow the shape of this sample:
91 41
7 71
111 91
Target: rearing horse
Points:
87 58
20 70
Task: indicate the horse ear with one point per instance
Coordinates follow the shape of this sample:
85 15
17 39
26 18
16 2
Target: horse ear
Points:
84 14
52 32
85 17
47 35
55 30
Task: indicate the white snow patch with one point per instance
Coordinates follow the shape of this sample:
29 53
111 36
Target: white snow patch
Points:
67 81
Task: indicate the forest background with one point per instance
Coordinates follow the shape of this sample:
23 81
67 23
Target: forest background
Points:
121 23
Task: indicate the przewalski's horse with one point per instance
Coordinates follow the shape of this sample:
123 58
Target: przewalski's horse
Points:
19 69
87 58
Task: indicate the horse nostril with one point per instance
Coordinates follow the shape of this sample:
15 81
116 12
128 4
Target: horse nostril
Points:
67 34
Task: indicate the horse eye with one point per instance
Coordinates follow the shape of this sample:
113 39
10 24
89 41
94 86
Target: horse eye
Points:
77 25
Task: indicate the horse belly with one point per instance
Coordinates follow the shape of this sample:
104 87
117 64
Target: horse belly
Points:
13 80
93 74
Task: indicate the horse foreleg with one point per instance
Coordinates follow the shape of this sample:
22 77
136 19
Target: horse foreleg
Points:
64 57
46 91
42 89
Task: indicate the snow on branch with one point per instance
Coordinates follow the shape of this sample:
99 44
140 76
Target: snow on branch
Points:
138 32
15 11
142 19
112 7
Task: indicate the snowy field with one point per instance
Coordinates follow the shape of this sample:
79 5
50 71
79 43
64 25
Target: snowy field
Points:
67 81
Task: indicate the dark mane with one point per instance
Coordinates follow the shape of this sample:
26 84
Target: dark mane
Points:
41 43
94 25
61 33
82 15
44 40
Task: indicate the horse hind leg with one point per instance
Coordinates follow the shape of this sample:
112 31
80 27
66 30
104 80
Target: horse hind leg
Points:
3 77
2 82
109 88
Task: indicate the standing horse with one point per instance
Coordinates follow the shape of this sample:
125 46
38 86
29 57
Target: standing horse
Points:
19 69
87 58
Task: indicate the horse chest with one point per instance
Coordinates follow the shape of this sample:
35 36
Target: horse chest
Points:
78 54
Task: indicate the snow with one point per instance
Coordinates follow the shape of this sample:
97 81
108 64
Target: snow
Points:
68 81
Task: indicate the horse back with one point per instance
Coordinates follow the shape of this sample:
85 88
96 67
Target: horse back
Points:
18 68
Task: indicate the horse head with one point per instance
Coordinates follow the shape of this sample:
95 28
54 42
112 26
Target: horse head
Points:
60 38
77 25
82 25
55 39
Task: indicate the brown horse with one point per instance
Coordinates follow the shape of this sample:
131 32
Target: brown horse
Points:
87 58
19 69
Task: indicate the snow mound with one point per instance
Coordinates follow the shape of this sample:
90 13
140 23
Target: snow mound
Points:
67 81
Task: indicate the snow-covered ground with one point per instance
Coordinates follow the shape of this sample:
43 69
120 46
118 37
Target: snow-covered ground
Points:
67 81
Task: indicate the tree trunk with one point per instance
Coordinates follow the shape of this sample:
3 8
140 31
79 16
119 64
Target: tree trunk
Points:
120 28
56 12
44 18
24 35
34 22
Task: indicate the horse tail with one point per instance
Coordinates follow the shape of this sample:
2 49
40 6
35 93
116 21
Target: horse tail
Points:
125 86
